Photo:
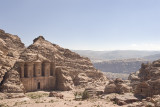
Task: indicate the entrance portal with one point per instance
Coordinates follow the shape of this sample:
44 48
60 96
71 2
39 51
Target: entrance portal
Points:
38 86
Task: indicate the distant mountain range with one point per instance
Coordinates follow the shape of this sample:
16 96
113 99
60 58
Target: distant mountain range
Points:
99 56
119 63
152 57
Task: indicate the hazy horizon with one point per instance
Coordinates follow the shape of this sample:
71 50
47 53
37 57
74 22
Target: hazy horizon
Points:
104 25
114 50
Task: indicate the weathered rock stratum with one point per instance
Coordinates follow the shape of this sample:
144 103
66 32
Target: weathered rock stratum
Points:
10 50
147 80
69 65
125 66
71 68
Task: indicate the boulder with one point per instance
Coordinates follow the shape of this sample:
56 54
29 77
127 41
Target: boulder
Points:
111 88
134 79
11 83
117 86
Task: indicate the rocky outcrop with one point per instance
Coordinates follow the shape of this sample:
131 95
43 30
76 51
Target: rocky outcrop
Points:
64 82
117 86
134 76
11 83
71 69
10 49
81 79
134 79
69 64
149 76
12 42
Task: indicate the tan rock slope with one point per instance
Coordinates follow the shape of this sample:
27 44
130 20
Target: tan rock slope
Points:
11 83
71 69
10 49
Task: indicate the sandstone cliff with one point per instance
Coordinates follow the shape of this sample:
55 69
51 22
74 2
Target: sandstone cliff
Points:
125 66
149 80
71 69
69 64
11 83
10 49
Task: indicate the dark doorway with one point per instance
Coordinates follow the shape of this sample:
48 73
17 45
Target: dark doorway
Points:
39 86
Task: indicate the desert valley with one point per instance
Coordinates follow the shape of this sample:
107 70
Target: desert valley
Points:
47 75
79 53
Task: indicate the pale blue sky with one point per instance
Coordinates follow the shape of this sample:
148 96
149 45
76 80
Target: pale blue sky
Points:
85 24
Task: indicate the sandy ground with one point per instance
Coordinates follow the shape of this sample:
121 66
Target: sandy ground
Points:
41 99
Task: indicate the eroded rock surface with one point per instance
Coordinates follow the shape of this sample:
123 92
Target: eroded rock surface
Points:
10 49
149 76
117 86
11 83
69 64
71 69
134 79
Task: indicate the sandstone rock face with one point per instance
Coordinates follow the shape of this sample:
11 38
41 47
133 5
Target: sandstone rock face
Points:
11 83
110 88
71 69
10 49
125 66
81 79
134 79
134 76
149 76
64 82
69 64
117 86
